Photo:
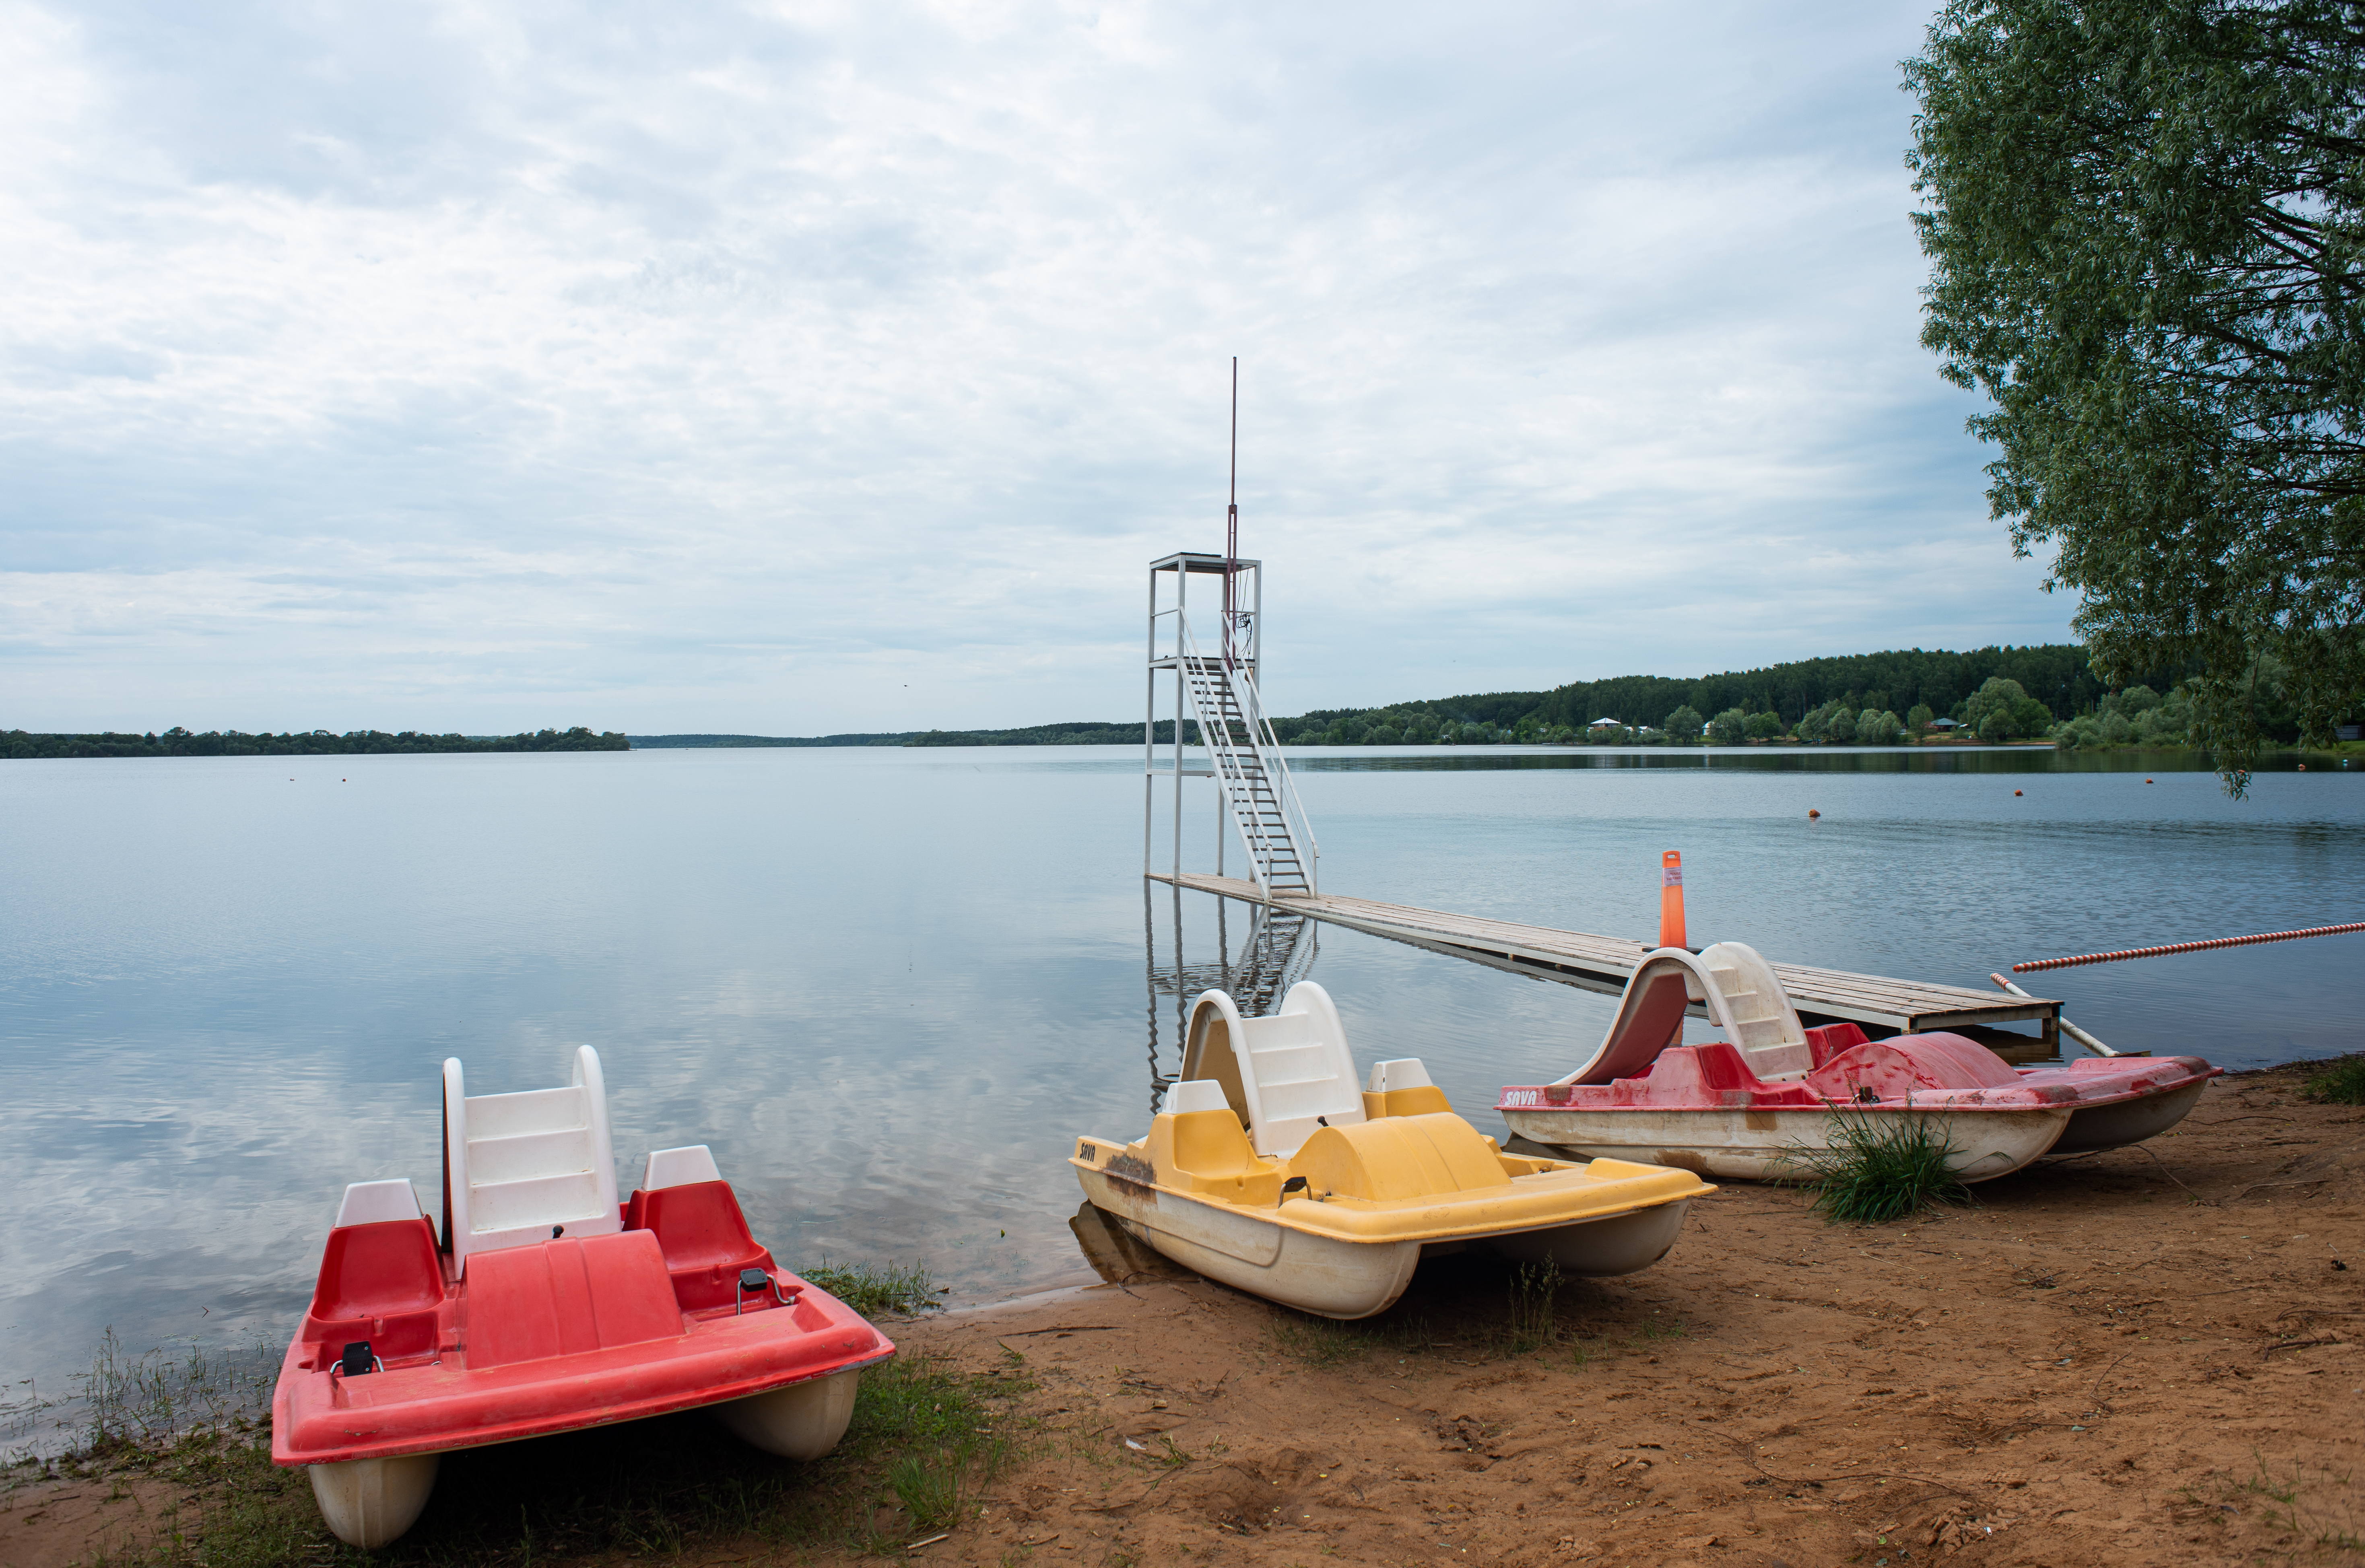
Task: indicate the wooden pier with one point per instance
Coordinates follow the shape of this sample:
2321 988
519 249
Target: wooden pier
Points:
1605 963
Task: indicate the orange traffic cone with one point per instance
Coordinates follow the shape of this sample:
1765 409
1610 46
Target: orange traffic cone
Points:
1671 900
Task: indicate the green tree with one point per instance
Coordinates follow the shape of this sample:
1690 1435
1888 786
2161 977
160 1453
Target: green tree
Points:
2145 221
1764 726
1918 721
1729 728
2001 711
1683 725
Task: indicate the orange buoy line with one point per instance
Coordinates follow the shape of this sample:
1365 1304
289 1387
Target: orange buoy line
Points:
1671 900
2187 947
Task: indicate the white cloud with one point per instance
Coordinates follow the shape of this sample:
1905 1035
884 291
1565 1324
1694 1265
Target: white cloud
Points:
798 368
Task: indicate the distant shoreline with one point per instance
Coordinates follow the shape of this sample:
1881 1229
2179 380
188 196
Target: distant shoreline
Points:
178 741
21 744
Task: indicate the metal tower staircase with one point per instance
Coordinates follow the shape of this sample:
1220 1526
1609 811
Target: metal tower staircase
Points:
1250 770
1215 691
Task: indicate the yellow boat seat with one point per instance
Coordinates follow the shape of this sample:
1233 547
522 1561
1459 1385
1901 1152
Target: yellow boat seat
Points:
1207 1150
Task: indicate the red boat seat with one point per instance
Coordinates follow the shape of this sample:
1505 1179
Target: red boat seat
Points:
705 1239
381 1283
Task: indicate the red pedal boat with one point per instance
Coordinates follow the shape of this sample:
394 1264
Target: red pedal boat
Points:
546 1306
1748 1105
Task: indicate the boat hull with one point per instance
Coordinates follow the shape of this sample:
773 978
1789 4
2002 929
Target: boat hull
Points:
1601 1248
1764 1145
1324 1275
1335 1277
2123 1122
369 1502
802 1421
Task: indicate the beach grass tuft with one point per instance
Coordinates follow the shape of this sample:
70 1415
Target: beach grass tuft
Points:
876 1290
1877 1167
2341 1083
1533 1324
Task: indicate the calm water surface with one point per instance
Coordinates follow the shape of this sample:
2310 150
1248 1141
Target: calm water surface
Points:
889 986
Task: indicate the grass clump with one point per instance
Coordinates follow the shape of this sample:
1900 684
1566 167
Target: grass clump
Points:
1878 1167
2341 1083
879 1289
2323 1509
1532 1323
1325 1341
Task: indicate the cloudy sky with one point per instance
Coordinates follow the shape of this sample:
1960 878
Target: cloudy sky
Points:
794 368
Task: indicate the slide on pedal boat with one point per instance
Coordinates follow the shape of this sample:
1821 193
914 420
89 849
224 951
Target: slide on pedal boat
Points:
1272 1170
1735 1107
546 1306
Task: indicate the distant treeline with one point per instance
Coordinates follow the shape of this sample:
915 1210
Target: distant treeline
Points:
178 741
694 743
1086 733
2055 673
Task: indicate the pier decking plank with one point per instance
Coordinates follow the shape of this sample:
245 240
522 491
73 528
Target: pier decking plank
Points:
1605 963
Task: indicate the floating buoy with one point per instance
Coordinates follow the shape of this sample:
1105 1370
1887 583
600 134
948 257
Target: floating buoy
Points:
1813 813
2303 767
2147 780
2015 791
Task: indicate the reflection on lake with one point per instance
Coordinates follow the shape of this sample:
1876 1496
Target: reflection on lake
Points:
888 986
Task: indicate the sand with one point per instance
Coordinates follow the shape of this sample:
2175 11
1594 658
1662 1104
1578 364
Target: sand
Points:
2146 1356
2109 1360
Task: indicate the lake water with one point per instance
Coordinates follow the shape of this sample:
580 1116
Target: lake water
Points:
889 986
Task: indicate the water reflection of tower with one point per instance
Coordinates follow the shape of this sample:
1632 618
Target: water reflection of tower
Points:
1276 951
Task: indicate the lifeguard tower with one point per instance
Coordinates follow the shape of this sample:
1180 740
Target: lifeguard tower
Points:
1218 717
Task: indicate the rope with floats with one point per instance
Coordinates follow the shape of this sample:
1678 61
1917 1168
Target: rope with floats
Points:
2185 947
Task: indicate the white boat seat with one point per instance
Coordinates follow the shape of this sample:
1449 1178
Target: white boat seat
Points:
523 1168
1286 1076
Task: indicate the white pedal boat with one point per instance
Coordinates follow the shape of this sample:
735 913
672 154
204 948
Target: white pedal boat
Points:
1744 1106
1273 1170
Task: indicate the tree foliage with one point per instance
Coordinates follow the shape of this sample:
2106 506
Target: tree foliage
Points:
2145 221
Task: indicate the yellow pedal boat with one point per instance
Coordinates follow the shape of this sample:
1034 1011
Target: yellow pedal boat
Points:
1274 1171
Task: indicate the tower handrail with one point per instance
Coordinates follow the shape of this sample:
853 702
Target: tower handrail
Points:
1297 828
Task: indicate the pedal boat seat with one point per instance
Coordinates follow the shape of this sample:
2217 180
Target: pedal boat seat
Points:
697 1220
1201 1147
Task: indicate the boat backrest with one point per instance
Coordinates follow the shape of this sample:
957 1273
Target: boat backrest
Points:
523 1168
1285 1076
1196 1094
1741 995
1402 1088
